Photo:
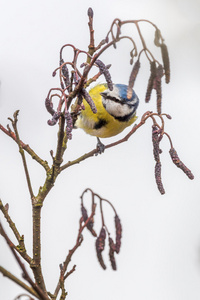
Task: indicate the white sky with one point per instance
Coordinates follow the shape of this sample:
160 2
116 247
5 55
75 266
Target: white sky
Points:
160 255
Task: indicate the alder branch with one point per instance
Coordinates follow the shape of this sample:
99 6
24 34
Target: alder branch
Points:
26 147
60 148
79 241
36 262
20 238
95 151
18 282
21 151
26 276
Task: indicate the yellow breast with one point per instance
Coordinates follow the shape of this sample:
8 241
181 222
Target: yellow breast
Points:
101 124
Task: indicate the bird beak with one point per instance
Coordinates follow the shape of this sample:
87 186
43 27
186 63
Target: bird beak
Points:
103 94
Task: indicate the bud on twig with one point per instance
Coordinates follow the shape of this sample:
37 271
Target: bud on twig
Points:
100 244
90 12
176 160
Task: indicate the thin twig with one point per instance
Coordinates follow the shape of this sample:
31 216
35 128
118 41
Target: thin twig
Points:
18 282
95 151
21 249
26 147
79 241
26 276
21 151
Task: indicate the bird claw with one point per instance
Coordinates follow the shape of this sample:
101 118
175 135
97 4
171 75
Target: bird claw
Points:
100 147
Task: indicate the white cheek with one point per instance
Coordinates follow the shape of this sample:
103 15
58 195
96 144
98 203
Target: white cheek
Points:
116 109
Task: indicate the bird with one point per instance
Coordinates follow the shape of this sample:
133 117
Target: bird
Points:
116 110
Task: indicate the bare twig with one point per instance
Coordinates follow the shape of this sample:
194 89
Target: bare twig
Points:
26 276
21 248
79 241
26 147
95 151
18 281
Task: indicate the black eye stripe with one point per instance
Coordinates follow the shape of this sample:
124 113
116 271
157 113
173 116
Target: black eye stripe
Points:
122 102
113 99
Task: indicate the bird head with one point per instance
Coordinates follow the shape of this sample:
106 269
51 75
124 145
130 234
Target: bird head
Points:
121 102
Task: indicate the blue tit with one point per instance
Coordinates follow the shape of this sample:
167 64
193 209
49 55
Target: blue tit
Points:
116 110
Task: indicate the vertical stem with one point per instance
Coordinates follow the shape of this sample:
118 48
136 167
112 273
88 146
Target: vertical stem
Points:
60 147
91 46
36 264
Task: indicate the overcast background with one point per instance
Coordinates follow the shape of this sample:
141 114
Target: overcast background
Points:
160 255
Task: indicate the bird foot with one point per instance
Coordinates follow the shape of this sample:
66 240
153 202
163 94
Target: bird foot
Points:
100 147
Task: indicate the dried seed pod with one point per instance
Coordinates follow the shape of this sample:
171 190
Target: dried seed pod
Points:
176 160
90 224
100 244
111 254
55 118
89 100
69 122
49 106
118 229
104 70
166 63
151 80
158 88
134 73
158 178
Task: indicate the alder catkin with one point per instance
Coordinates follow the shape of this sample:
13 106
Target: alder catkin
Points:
150 81
65 73
49 106
158 87
54 119
90 224
89 100
104 70
134 74
158 178
100 245
111 254
176 160
118 229
166 63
